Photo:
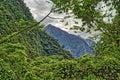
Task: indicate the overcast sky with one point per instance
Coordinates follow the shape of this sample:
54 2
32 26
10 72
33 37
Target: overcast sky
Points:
40 8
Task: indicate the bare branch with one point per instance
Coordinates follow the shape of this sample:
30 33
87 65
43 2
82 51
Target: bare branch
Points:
54 17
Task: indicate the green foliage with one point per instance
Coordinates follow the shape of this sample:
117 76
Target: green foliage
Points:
33 55
85 67
15 64
10 12
10 48
5 71
92 17
15 56
15 17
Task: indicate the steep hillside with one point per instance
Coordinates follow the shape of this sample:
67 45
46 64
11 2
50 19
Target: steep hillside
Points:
12 11
15 16
75 44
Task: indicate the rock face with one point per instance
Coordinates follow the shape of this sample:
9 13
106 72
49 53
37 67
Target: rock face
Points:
75 44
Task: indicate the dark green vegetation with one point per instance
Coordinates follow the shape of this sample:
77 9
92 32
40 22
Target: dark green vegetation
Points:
15 16
25 56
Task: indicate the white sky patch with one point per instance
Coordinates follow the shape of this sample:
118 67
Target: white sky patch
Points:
40 8
105 10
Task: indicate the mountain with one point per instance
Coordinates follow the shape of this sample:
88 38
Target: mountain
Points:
75 44
34 55
15 16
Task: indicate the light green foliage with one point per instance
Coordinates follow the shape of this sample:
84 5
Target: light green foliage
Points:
5 71
85 67
14 56
33 55
55 67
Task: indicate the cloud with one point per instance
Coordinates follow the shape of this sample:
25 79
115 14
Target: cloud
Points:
40 8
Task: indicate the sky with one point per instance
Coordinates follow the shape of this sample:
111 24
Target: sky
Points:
40 8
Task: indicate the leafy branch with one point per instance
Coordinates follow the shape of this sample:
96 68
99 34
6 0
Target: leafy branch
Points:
4 39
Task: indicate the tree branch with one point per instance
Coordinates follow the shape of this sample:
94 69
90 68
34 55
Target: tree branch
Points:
54 17
4 39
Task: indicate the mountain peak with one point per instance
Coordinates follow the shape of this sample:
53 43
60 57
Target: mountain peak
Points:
75 44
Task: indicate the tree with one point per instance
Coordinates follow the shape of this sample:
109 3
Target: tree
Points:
105 63
90 11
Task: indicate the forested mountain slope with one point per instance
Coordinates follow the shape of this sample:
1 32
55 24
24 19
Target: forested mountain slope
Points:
75 44
15 16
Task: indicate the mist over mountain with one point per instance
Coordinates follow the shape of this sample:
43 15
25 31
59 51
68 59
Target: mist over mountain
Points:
75 44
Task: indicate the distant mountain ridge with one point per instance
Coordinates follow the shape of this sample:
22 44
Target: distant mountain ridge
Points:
75 44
